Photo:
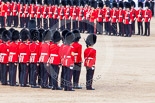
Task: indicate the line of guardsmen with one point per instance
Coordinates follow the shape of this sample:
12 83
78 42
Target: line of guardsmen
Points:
87 17
38 56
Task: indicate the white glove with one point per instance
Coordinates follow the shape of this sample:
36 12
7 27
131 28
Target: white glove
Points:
110 19
149 19
116 20
63 17
82 18
46 16
134 18
69 17
103 20
97 19
71 67
17 13
93 68
58 17
76 18
123 21
11 14
143 19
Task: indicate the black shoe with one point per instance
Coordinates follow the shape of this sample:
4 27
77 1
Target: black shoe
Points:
35 86
58 88
22 85
26 85
77 87
48 87
90 88
71 90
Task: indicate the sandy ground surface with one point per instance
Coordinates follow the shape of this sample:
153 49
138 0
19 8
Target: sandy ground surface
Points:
125 73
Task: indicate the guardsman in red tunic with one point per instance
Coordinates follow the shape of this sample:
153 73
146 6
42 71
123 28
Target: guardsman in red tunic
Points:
21 14
100 18
4 52
55 17
68 61
92 19
64 32
15 14
62 16
8 8
107 20
3 14
26 14
13 57
120 19
24 55
87 18
114 18
81 18
133 17
45 16
55 60
44 56
77 59
50 15
32 11
38 14
127 20
90 59
140 15
34 57
74 15
68 17
147 19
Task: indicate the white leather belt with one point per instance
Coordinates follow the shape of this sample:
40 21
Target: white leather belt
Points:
90 58
75 53
100 16
120 16
106 15
43 53
33 53
22 53
3 54
12 53
126 17
55 55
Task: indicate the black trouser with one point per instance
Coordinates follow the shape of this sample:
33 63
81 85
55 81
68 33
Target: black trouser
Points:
85 25
9 21
89 77
21 22
68 78
62 76
121 29
0 71
91 27
88 27
114 28
62 27
133 27
23 73
15 21
39 75
4 70
75 24
56 24
81 26
38 22
108 28
50 22
44 75
45 24
33 73
2 21
76 73
140 28
12 74
54 72
147 28
100 27
68 24
26 20
127 30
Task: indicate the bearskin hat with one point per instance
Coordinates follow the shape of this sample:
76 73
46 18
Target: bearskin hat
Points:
77 35
15 35
91 39
34 35
56 36
140 4
147 4
6 35
133 3
69 38
47 35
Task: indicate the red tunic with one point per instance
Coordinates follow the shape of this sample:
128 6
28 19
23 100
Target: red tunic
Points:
139 15
113 16
68 53
13 52
90 57
74 14
133 16
3 9
62 13
147 15
44 12
120 16
77 52
26 10
32 11
54 54
14 10
100 15
38 11
44 52
4 52
81 14
107 15
8 9
67 13
49 11
127 17
24 53
56 12
92 15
